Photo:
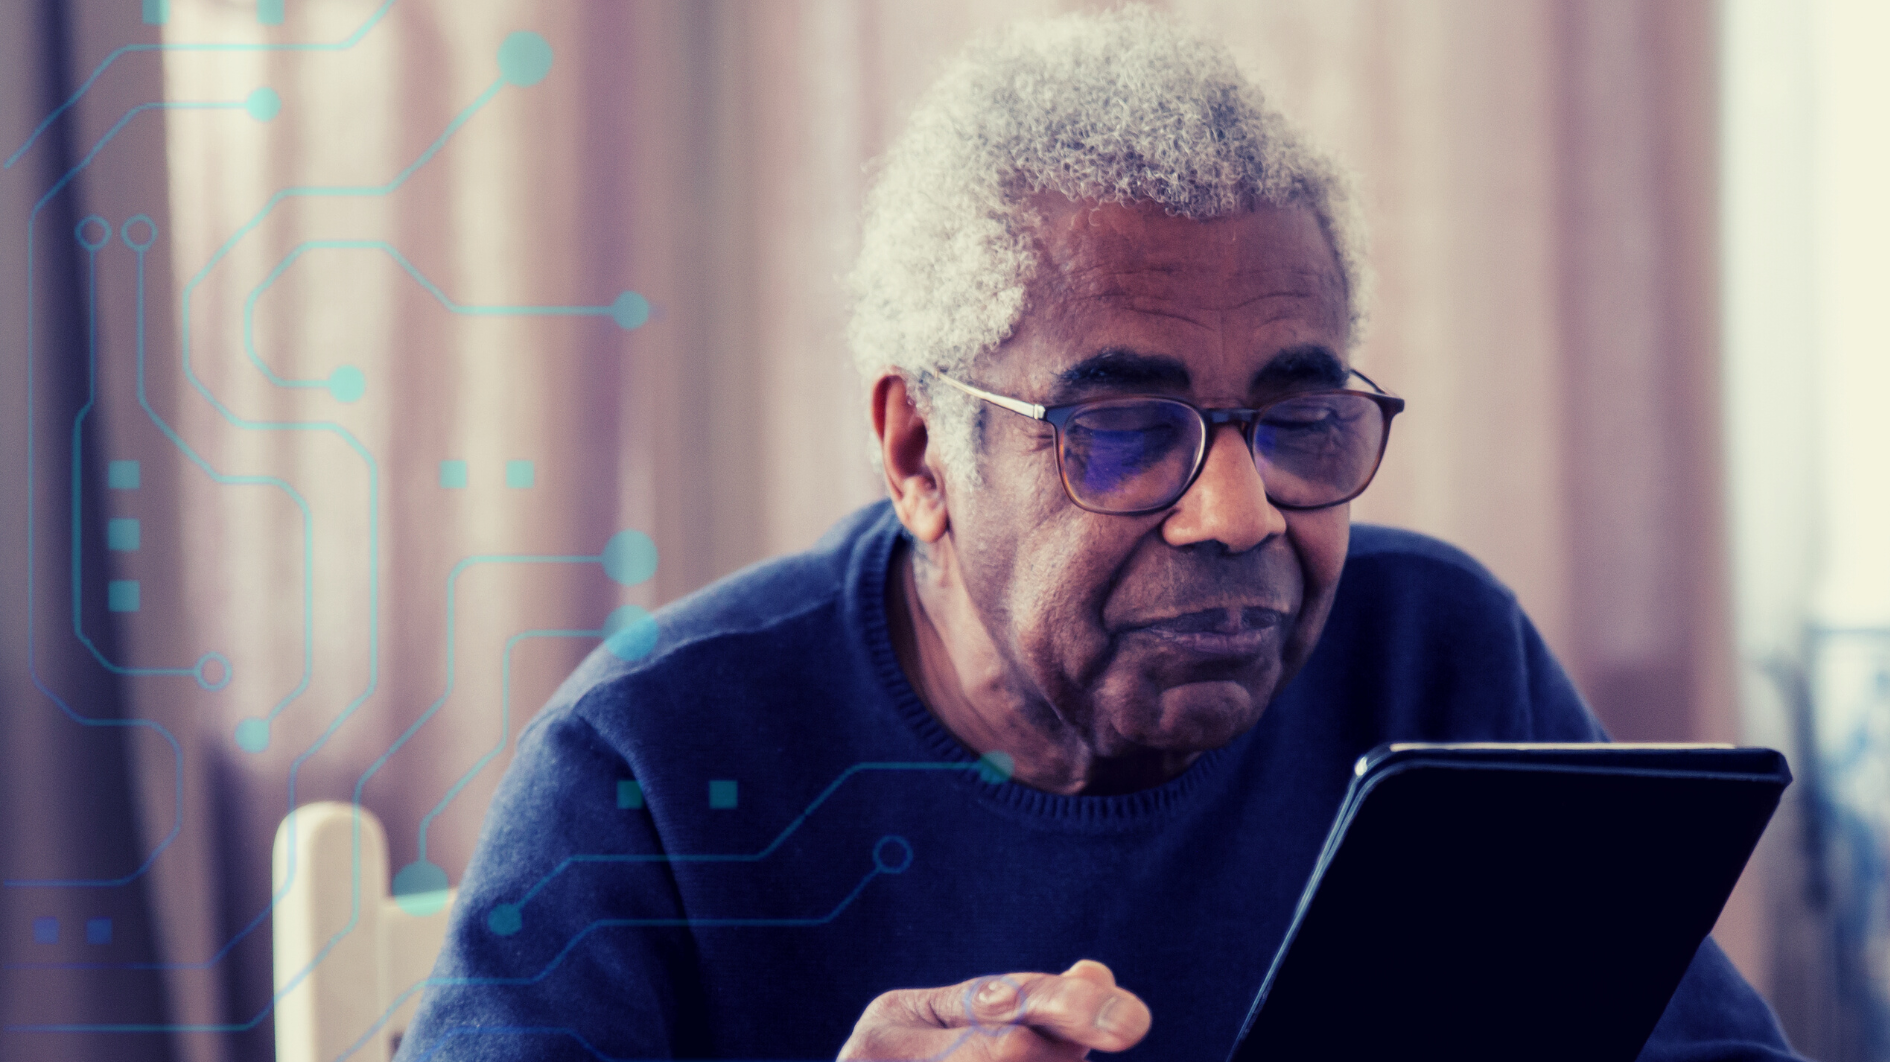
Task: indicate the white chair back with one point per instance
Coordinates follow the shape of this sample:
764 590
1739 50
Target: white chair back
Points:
349 958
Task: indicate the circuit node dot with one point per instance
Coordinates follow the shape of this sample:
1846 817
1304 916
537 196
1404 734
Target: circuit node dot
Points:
263 104
252 735
347 384
524 58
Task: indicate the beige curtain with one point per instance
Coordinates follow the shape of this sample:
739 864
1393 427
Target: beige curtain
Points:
1538 176
76 932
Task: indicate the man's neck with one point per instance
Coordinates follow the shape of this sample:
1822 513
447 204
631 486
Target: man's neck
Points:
928 614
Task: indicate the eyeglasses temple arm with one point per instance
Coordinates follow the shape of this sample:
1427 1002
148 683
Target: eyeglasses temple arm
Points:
1034 412
1373 383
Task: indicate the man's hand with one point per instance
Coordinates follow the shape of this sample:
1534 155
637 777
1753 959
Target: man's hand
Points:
1025 1017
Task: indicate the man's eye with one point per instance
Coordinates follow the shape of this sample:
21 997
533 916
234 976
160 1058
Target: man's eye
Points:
1128 418
1134 449
1302 414
1298 422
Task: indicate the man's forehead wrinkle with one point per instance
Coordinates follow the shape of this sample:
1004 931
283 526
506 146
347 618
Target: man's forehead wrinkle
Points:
1100 318
1216 299
1161 308
1112 274
1153 290
1286 302
1276 308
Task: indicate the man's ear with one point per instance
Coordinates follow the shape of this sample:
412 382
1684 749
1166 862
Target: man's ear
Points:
918 494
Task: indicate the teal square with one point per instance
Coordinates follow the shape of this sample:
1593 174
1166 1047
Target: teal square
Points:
269 12
121 595
157 12
122 475
121 533
98 931
518 474
722 793
629 793
453 474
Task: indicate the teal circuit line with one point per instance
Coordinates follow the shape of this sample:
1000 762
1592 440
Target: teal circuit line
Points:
374 522
258 737
355 875
300 191
460 1032
602 923
341 45
354 916
452 590
194 457
78 460
505 723
879 867
32 598
301 503
373 683
253 733
374 525
255 295
982 766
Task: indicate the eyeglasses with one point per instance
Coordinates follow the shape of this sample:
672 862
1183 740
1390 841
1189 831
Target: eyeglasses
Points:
1134 455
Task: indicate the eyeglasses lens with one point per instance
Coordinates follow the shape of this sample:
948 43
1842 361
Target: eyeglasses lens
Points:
1131 455
1138 454
1318 449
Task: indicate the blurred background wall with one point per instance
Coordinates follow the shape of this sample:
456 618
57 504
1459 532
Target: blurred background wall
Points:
1806 159
396 324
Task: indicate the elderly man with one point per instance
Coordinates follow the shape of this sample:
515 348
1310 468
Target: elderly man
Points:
1035 757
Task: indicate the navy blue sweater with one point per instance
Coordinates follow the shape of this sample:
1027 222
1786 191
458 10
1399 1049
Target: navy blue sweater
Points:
727 847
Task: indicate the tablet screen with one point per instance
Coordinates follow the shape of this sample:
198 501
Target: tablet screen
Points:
1496 902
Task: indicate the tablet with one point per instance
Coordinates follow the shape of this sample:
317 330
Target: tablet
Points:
1481 902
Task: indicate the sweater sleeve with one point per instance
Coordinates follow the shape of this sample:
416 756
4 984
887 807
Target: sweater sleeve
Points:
568 939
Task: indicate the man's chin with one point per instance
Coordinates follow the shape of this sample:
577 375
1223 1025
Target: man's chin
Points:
1191 717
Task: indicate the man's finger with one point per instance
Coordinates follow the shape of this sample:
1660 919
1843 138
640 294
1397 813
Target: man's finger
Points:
1013 1017
1082 1007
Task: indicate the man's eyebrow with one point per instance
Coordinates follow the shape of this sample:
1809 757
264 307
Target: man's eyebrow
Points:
1300 366
1124 368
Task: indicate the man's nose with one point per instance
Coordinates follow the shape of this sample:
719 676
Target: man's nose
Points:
1228 502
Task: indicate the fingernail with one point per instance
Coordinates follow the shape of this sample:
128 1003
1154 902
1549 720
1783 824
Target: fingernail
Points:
1106 1017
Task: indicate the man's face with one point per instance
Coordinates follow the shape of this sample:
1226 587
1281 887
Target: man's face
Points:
1171 630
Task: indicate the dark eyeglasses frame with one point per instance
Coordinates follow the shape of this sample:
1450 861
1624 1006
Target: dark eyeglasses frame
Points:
1389 406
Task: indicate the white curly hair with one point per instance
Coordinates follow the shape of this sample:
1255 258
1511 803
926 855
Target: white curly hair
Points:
1120 106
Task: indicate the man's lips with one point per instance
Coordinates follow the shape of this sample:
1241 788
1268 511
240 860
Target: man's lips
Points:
1218 632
